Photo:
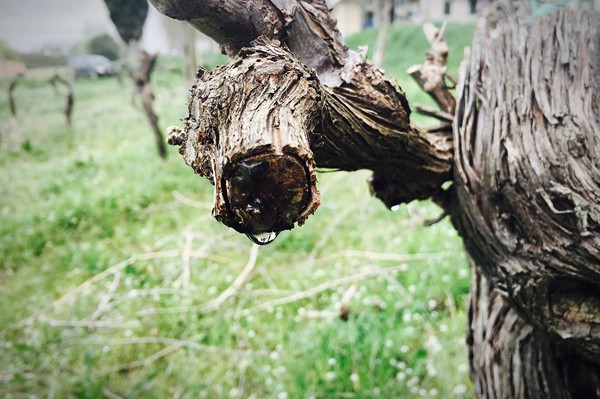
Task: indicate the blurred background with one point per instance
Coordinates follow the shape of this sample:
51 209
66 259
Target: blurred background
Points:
117 283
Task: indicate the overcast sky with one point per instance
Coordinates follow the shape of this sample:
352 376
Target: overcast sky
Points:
28 25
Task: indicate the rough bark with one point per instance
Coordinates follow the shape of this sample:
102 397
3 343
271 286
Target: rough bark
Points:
248 133
527 203
511 358
365 118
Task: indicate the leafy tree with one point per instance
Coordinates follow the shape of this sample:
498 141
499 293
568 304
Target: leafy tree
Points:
104 45
6 52
128 16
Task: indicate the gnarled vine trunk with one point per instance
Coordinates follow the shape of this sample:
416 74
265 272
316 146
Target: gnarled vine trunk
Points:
524 161
527 178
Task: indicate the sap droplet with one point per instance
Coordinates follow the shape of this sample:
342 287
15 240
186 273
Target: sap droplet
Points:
263 238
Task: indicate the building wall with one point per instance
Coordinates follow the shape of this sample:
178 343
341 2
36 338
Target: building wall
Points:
10 68
434 10
350 15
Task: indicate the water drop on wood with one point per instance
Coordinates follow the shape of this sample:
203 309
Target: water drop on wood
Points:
263 238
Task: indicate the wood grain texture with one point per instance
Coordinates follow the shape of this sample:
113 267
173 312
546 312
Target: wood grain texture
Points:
527 167
365 118
248 133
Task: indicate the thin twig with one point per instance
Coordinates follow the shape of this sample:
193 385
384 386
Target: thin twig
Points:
169 342
234 288
144 362
331 229
88 283
185 258
216 303
190 202
109 394
379 256
104 303
434 112
83 323
327 286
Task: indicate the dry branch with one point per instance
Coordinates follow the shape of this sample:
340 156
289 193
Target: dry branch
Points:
86 285
70 98
11 99
352 117
141 78
431 76
234 288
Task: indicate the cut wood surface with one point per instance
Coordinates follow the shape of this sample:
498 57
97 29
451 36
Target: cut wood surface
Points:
362 118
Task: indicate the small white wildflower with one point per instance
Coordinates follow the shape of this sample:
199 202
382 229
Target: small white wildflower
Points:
234 393
459 389
330 375
282 395
432 303
354 378
433 392
412 382
404 348
463 367
332 362
274 355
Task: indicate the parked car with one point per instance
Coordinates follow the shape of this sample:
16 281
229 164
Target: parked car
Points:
92 65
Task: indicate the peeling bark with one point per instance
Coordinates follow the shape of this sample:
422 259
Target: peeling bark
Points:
511 358
364 118
528 205
248 133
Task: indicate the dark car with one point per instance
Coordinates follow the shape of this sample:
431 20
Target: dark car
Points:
92 65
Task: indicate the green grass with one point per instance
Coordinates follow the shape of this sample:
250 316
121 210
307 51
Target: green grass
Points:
77 201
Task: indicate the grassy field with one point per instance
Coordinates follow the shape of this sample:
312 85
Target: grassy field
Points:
117 283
